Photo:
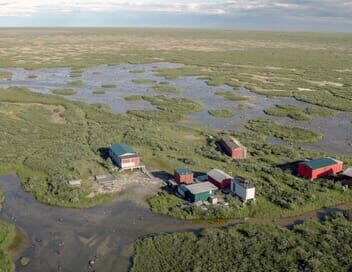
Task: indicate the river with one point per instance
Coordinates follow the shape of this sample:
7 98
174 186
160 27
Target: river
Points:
62 239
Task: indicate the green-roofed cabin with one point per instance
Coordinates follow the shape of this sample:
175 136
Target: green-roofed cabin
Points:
124 156
183 176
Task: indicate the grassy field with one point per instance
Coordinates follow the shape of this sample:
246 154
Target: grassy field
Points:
311 246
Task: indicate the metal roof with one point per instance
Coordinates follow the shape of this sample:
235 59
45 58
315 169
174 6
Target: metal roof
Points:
246 184
320 163
232 142
348 172
203 187
183 171
122 149
218 175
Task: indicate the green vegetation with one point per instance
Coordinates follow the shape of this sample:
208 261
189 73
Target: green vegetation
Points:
32 76
291 111
164 88
7 238
76 83
143 81
99 92
311 246
168 108
58 140
4 75
309 67
24 261
133 98
108 86
298 113
232 96
76 72
136 71
221 113
64 91
287 133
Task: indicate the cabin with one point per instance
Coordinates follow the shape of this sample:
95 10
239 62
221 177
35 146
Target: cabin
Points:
233 148
346 178
183 176
243 188
124 156
199 191
319 168
220 179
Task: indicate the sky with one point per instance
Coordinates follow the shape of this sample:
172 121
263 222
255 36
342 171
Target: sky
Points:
294 15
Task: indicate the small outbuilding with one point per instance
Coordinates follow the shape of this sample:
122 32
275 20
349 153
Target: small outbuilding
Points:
220 179
183 176
243 189
319 168
199 191
124 156
75 183
233 148
346 178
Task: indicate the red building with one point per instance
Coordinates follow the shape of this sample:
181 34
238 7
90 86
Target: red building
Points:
183 176
233 148
319 168
220 179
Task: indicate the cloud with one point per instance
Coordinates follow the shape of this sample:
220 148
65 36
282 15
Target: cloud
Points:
218 11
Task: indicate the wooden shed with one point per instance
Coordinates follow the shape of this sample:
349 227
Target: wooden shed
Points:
319 168
124 156
219 178
233 148
183 176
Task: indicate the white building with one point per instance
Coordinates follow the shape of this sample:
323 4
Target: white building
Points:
75 183
243 188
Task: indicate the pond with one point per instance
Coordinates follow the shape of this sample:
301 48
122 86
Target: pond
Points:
337 130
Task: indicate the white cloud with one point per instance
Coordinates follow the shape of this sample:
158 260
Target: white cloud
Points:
28 7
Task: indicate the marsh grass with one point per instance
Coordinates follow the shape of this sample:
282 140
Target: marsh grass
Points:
4 75
231 96
289 134
164 88
225 113
76 83
298 113
143 81
64 91
108 86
